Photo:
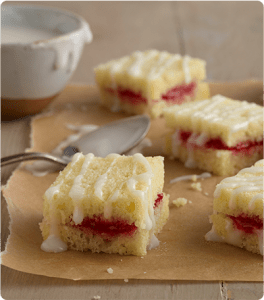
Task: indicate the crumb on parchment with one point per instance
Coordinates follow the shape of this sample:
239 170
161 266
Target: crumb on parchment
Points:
179 202
196 186
110 270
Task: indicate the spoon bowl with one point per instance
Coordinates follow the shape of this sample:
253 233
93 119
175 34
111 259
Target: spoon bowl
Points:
115 137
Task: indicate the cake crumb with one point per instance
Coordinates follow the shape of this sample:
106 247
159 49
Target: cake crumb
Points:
206 194
96 297
142 256
179 202
121 260
194 178
110 270
190 201
196 186
126 280
145 272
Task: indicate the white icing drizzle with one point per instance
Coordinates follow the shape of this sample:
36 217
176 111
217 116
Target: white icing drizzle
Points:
201 139
140 59
254 199
212 236
176 142
246 181
189 177
160 67
157 69
190 162
77 192
186 68
154 243
234 236
108 208
237 115
98 186
53 243
241 189
144 195
194 140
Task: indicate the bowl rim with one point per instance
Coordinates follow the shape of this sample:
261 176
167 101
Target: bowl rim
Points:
82 24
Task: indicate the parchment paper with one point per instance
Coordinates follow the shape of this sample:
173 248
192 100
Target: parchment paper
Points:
183 253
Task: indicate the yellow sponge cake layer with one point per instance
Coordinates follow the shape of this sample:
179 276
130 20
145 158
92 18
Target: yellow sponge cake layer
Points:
144 78
103 203
238 210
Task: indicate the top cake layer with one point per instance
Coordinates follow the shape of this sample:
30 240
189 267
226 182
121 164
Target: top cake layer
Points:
233 121
242 193
151 72
120 186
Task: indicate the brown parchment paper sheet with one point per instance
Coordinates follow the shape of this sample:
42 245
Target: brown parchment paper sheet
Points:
183 253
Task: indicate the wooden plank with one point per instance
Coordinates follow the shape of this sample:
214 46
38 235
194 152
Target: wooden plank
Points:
228 35
41 287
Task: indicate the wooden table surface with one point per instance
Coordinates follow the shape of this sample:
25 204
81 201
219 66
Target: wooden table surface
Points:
228 35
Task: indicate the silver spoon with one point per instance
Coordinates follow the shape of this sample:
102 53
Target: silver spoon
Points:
115 137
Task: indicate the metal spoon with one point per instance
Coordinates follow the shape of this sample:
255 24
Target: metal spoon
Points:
115 137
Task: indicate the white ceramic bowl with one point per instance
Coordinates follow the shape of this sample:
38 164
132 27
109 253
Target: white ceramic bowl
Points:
40 49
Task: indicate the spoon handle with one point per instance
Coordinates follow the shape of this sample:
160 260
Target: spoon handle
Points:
31 156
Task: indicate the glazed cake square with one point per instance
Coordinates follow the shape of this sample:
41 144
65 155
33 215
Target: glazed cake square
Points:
136 82
219 135
238 210
112 205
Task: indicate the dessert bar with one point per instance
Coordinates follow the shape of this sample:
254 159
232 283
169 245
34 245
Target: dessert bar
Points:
238 210
219 135
114 204
136 82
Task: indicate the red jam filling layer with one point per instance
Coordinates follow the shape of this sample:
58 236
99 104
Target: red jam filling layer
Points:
246 223
98 225
158 200
217 144
175 95
108 229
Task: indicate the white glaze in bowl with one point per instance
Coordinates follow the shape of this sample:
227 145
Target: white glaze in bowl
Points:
39 58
